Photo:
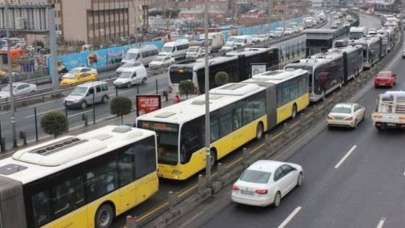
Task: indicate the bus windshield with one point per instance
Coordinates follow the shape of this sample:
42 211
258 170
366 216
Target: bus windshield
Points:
167 135
178 74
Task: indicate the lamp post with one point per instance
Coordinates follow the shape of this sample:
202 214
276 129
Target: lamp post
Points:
207 102
10 76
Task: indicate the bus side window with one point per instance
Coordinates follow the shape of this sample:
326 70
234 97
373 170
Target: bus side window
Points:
41 207
101 180
237 118
145 157
191 139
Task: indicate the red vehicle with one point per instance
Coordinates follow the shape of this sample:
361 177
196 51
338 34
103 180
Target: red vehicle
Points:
385 78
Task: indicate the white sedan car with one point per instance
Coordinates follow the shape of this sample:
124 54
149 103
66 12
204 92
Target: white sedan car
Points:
265 182
161 61
346 115
19 89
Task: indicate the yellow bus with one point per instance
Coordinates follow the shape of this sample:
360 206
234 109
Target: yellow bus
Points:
239 112
78 181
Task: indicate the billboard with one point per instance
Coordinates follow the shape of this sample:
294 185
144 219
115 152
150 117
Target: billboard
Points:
147 103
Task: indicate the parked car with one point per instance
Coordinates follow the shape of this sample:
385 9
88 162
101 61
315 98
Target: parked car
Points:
125 66
131 76
265 182
385 78
346 115
19 89
79 75
84 95
161 61
194 52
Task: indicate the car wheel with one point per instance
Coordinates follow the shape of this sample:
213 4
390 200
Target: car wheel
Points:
104 216
83 105
300 180
277 199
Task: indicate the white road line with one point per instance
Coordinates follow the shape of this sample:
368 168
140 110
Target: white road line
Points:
42 113
345 157
381 223
290 217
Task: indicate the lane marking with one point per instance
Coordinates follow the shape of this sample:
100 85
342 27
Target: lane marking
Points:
381 223
345 157
257 148
290 217
147 214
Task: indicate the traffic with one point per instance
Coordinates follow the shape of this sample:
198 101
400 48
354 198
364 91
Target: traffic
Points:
89 179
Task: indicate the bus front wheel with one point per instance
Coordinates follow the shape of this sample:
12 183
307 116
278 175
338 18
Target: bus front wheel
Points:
104 216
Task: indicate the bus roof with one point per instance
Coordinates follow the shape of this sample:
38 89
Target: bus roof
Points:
277 76
35 162
199 63
317 59
248 51
195 107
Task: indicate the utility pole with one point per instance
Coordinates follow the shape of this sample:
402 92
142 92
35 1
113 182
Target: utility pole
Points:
10 75
207 97
52 46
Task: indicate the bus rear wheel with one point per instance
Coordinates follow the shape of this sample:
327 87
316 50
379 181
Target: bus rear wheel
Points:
294 111
104 216
259 131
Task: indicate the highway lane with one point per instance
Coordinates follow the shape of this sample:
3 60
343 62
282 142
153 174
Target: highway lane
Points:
360 188
25 115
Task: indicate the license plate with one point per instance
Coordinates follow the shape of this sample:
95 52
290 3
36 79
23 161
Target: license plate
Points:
391 124
246 192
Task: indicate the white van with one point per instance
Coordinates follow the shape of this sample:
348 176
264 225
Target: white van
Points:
176 49
130 76
144 55
84 95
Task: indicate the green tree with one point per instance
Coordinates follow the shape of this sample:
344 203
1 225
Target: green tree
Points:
221 78
54 123
186 87
121 106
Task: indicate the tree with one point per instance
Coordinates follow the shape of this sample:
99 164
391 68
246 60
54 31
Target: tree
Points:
186 87
221 78
121 106
54 123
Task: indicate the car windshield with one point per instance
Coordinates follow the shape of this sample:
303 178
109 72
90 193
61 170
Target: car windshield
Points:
79 91
254 176
342 109
131 64
167 49
125 75
130 55
384 75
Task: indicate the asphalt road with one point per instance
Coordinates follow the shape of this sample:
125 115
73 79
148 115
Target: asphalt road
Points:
353 178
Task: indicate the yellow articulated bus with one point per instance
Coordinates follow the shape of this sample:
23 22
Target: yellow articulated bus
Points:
239 112
79 181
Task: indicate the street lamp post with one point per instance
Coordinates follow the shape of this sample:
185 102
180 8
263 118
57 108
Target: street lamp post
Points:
10 75
207 102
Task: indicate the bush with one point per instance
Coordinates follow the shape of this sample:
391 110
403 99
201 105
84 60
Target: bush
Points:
54 123
121 106
186 87
221 78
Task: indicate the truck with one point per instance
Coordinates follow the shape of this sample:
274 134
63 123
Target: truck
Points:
390 110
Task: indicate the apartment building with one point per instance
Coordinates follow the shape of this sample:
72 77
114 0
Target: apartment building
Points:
94 20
